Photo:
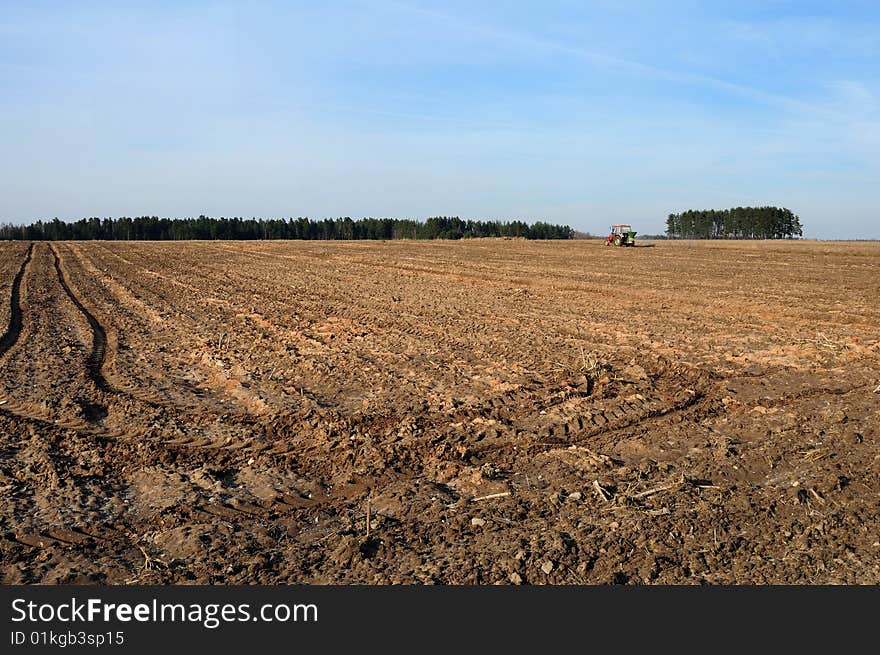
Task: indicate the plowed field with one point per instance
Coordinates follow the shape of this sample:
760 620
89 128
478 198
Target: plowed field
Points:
488 411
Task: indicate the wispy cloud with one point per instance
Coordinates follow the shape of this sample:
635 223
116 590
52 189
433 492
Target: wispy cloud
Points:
835 36
606 61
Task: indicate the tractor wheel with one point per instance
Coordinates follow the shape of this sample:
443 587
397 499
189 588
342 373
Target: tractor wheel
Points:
617 240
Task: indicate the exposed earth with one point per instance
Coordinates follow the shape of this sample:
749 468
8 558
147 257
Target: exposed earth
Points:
474 412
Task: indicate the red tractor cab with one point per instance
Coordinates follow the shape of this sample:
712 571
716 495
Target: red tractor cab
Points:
621 235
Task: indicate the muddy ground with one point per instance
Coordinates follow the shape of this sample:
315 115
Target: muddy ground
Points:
479 412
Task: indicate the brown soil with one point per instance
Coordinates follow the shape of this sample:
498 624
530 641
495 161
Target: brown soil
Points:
495 411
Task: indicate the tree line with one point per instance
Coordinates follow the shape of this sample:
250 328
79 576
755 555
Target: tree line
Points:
153 228
735 223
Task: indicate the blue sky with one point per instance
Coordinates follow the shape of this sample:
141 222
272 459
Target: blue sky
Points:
586 113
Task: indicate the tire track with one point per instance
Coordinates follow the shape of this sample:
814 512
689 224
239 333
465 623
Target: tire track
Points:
13 330
102 369
9 339
91 421
521 432
95 360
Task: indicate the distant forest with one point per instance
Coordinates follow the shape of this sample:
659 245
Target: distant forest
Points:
152 228
735 223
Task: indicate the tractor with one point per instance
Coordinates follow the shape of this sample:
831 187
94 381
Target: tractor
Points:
621 235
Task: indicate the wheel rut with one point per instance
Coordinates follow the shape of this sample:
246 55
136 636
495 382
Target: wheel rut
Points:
16 319
95 359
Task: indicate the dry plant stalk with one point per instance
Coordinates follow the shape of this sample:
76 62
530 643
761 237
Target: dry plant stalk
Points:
657 490
822 342
149 560
815 454
604 494
368 518
590 366
502 494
